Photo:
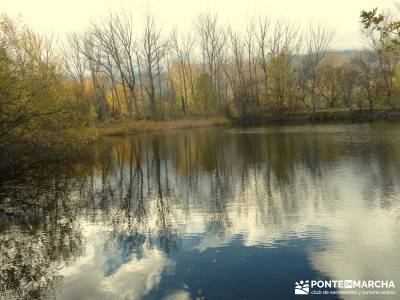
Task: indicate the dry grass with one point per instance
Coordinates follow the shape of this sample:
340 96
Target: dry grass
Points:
130 127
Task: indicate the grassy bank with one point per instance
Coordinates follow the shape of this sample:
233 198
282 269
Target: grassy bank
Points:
320 116
130 127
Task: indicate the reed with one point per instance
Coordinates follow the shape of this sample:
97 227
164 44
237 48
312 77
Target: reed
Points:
131 127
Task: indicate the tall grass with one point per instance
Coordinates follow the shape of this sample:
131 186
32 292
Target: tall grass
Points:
130 127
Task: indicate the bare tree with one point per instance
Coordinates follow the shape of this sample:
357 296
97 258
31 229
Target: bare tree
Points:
108 42
93 58
252 62
236 76
152 52
284 45
124 32
172 94
75 64
212 40
262 35
183 48
317 41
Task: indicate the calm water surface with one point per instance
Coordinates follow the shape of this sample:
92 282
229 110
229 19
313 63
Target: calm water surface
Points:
207 214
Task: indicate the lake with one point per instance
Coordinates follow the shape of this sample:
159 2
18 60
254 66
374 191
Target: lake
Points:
213 213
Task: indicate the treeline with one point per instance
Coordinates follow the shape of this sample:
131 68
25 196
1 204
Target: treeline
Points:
122 68
270 66
213 70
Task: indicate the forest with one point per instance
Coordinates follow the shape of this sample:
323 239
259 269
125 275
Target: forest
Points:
119 68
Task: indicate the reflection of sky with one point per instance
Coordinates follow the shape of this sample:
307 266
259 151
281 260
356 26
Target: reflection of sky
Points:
253 254
336 220
90 278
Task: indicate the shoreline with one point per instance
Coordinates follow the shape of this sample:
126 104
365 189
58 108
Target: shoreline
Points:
133 127
15 163
323 116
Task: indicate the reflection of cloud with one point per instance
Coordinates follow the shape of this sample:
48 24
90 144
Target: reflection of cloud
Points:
137 277
84 261
363 248
361 239
259 221
260 209
178 295
87 279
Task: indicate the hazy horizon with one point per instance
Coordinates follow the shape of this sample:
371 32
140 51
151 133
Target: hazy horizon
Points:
60 18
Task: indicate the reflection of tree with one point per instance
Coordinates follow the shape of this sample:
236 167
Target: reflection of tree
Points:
127 205
39 232
26 272
278 168
142 188
219 191
166 232
130 220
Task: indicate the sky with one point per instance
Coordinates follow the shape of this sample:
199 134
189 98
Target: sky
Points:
61 17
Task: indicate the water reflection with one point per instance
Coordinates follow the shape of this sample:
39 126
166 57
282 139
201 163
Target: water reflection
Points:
39 231
211 213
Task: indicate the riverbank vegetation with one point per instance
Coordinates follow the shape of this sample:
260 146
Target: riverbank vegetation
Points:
122 75
116 128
